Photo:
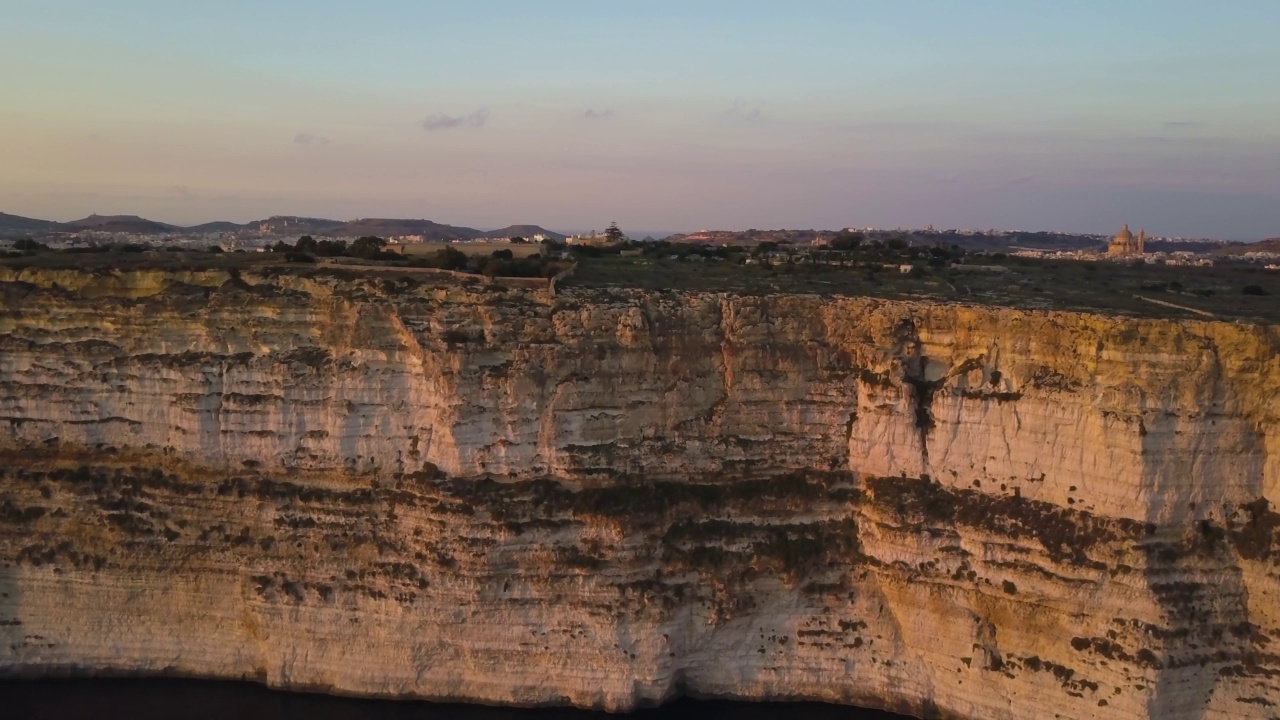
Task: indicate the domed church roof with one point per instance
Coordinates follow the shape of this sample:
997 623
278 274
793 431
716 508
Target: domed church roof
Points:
1124 234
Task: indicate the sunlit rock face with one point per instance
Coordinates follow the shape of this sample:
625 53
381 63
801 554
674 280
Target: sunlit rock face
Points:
384 487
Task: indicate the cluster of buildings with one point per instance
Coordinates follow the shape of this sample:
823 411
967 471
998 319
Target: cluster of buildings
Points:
92 238
592 238
1125 245
420 239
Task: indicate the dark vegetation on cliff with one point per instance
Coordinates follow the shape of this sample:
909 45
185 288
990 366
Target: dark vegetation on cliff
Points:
816 512
1229 290
1232 290
666 544
367 252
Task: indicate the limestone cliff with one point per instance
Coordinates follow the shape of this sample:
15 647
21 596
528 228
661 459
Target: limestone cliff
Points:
383 486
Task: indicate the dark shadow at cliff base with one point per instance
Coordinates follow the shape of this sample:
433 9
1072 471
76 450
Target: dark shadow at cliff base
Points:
213 700
12 634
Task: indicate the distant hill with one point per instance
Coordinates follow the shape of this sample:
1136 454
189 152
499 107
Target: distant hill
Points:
1196 246
393 227
428 230
1271 245
120 224
523 231
293 225
282 225
220 226
18 225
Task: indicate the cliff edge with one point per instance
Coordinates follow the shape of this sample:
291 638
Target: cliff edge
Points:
606 498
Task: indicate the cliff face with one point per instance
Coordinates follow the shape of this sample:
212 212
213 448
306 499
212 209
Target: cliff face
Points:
376 486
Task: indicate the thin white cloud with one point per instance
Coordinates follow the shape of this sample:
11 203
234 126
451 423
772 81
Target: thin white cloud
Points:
303 138
182 192
742 112
441 121
593 114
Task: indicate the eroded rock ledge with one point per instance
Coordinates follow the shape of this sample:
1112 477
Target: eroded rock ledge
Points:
604 499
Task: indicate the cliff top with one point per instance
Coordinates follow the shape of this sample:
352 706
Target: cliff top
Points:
1231 292
1227 292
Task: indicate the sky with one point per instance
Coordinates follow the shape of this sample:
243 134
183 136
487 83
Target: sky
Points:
671 115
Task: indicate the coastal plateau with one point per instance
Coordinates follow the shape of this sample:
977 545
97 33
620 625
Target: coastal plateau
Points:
395 486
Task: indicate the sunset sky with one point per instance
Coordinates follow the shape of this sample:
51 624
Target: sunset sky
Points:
1030 114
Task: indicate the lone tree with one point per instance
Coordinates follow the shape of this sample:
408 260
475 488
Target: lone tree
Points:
613 234
368 247
846 241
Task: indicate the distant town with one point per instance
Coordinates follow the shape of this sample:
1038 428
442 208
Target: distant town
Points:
123 230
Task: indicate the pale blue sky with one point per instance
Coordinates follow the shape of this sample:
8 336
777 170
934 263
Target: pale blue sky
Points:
663 115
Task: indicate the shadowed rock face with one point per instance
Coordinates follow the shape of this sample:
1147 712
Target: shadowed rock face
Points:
605 499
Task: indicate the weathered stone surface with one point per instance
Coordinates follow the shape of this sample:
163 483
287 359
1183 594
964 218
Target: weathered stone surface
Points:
607 498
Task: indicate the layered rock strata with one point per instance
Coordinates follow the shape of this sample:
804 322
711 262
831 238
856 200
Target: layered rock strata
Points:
380 486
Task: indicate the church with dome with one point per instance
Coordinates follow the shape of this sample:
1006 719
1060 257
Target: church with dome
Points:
1126 245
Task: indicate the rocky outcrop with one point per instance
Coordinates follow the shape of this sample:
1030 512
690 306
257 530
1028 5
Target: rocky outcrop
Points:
384 486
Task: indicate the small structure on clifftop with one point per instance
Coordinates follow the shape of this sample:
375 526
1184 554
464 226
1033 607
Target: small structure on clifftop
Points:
1125 245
